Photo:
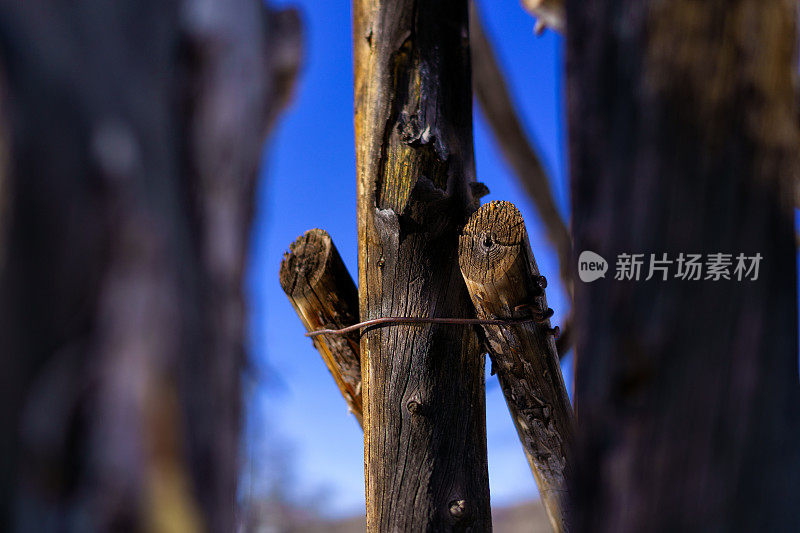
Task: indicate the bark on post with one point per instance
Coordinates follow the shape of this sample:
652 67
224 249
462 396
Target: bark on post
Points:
501 274
683 139
424 407
322 292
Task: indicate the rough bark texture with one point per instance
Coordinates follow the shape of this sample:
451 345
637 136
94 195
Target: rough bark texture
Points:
322 292
683 139
501 274
497 106
133 133
424 408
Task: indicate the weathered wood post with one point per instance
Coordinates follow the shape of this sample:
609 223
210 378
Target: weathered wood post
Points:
423 386
322 292
502 277
683 140
504 283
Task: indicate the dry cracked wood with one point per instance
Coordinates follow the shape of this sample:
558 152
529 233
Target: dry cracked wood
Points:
501 275
324 296
322 292
423 389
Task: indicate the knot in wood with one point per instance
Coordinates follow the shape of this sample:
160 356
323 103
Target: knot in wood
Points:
459 510
415 408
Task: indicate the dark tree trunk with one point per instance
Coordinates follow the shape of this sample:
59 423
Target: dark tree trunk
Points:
423 386
131 136
683 139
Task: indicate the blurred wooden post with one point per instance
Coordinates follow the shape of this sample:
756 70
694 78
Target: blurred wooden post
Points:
424 406
130 142
322 292
683 139
501 275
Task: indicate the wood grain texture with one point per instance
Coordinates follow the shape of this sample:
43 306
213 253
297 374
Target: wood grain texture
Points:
423 387
501 274
683 139
322 292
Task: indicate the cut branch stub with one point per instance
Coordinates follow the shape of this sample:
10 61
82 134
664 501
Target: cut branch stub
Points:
503 280
322 292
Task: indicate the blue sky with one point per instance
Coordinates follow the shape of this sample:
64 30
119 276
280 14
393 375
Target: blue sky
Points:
308 180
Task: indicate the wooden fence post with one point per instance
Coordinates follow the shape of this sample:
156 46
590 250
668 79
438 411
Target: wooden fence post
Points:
500 278
423 386
683 140
501 275
322 292
130 143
